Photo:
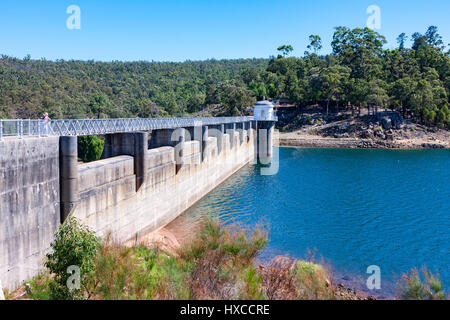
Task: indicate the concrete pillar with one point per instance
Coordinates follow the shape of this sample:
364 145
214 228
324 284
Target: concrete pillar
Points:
230 130
179 147
254 125
204 142
107 149
241 132
265 141
270 131
68 174
140 157
199 133
245 126
221 132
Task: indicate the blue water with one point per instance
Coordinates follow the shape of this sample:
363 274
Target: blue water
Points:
355 207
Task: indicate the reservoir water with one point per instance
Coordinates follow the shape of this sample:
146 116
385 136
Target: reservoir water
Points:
354 207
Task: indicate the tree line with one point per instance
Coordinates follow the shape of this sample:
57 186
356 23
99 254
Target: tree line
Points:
90 89
360 73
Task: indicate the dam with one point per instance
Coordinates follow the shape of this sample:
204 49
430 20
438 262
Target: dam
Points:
151 171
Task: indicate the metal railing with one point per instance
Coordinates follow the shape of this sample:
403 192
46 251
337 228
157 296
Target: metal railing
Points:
37 128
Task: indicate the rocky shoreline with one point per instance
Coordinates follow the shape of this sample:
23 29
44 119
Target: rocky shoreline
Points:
345 131
319 142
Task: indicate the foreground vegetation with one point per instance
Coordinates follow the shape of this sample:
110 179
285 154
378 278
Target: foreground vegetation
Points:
220 263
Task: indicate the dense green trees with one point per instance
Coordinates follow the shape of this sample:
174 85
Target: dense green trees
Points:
358 73
88 89
361 73
234 98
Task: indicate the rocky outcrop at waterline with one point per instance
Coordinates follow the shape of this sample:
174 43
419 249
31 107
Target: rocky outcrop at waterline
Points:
382 132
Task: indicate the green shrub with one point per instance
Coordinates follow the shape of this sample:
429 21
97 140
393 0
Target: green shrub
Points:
40 287
233 242
221 258
90 148
74 245
312 282
253 286
414 286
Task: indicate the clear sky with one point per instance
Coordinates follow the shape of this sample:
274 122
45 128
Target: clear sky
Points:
176 30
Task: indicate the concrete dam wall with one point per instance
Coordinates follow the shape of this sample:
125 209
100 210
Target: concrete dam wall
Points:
109 200
141 184
29 205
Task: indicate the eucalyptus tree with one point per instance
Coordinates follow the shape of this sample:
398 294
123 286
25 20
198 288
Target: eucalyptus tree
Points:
315 44
401 91
433 38
360 50
332 81
285 49
357 91
401 40
377 95
422 101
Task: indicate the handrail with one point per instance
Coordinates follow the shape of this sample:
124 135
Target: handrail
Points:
84 127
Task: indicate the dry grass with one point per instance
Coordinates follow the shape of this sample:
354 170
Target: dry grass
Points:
220 263
222 257
279 279
137 273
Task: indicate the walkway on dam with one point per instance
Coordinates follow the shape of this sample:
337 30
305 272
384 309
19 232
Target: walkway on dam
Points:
150 172
36 128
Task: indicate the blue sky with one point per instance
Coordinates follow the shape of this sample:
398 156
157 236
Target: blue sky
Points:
175 30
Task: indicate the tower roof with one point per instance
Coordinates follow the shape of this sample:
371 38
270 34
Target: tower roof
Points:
264 104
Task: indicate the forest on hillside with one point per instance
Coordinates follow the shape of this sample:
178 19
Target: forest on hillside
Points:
361 73
88 89
358 73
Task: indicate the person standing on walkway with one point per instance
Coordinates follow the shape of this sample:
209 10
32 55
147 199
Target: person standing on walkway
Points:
45 124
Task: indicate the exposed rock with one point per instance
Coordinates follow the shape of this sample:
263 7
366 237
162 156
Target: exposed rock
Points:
28 288
432 146
380 133
367 133
390 119
389 137
385 130
386 123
